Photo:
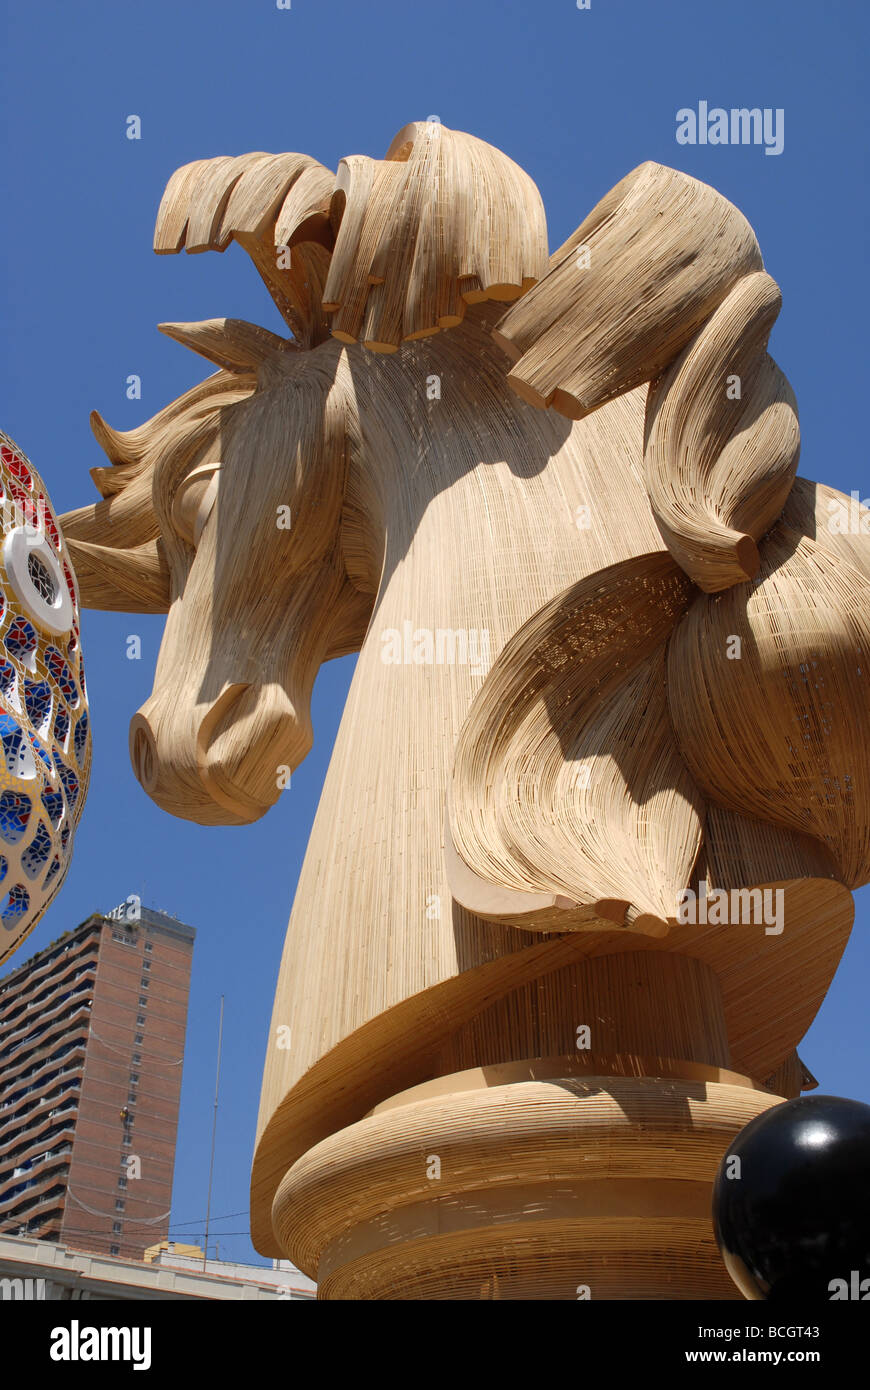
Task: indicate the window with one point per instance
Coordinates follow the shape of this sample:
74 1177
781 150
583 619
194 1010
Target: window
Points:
137 1056
122 1182
145 983
114 1249
140 1019
142 1003
134 1077
132 1097
148 946
116 1228
119 1204
146 965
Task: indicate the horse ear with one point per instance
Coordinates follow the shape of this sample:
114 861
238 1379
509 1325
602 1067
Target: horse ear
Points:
232 344
135 580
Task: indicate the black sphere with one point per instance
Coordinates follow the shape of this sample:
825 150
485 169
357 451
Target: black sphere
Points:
792 1217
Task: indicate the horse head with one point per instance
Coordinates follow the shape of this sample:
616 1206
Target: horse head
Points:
248 509
229 509
224 512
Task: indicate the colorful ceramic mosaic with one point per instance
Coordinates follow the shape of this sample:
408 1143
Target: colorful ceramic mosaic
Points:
45 743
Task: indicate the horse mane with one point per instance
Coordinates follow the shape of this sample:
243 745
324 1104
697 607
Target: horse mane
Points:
366 254
381 252
389 251
117 545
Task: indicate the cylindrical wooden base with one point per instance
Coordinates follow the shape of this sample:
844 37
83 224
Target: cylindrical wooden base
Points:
565 1148
572 1187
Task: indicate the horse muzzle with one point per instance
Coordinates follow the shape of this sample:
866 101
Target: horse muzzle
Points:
225 763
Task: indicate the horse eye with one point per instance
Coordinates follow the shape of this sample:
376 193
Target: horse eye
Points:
194 500
37 579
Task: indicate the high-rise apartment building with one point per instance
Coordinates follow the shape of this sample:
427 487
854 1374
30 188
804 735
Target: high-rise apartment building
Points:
91 1051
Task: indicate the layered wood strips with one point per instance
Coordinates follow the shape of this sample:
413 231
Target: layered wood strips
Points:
386 251
552 787
625 293
722 440
444 221
653 680
274 205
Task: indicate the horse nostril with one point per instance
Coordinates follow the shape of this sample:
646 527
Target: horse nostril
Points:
143 752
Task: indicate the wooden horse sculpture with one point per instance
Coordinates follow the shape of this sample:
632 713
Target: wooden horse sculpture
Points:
579 877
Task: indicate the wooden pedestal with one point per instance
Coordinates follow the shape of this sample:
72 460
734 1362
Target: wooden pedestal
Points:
564 1175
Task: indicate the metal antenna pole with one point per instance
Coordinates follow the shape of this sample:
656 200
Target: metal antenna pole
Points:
213 1133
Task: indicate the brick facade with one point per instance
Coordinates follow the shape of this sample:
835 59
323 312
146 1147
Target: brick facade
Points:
74 1055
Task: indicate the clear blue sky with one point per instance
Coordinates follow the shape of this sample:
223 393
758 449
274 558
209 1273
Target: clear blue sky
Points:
577 98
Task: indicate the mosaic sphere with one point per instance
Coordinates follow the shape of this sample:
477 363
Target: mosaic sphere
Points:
791 1202
44 728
